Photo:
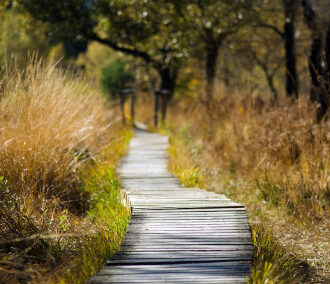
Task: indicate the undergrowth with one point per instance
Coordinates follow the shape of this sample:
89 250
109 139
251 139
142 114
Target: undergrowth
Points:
274 159
106 220
272 263
61 214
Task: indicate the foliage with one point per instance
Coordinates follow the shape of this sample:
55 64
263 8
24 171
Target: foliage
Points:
94 59
210 24
53 125
269 155
20 36
272 263
278 171
108 216
116 77
145 29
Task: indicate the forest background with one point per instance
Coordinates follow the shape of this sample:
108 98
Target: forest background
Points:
246 105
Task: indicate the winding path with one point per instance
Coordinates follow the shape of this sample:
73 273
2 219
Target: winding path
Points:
176 234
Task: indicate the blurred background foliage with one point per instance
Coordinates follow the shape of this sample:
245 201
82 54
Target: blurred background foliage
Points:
248 80
116 77
20 36
185 47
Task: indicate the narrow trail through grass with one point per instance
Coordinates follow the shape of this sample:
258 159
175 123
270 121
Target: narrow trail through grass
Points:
176 234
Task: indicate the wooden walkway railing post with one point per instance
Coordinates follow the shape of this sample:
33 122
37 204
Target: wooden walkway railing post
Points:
164 96
124 95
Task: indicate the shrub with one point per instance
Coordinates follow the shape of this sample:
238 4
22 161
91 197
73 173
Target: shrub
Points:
52 125
115 77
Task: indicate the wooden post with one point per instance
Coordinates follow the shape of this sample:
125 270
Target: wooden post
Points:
156 97
133 97
124 94
165 96
122 104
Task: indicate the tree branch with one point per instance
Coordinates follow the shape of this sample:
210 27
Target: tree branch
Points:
269 26
222 36
131 51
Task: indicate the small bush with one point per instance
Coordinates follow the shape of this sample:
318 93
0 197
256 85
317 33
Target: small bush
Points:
115 77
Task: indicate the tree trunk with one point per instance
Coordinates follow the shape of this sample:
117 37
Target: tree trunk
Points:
319 90
212 53
133 98
122 107
316 69
324 100
165 100
317 66
156 107
168 78
327 54
268 74
290 8
271 85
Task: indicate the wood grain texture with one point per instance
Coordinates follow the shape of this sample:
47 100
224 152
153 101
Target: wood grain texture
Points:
176 234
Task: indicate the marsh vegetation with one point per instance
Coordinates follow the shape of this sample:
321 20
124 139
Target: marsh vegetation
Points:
242 89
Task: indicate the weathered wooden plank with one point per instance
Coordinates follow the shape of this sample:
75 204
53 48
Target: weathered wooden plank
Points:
170 223
205 211
192 242
224 269
135 259
218 270
189 226
148 256
188 219
192 248
162 279
193 227
186 212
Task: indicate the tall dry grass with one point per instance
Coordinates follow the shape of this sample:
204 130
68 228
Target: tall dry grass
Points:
279 147
47 118
52 124
273 158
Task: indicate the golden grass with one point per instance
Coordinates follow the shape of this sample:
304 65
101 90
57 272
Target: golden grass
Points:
47 119
274 159
280 147
53 127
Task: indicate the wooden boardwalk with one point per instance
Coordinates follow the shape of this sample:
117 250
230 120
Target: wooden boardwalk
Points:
176 234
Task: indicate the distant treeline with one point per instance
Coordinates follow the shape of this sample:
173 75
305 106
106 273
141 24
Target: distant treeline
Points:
285 40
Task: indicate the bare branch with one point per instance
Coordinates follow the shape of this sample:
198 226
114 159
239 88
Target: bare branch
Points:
131 51
269 26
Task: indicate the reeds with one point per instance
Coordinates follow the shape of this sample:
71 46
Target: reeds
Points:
279 148
273 158
52 125
48 119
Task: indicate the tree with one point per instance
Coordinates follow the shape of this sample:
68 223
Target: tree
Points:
266 15
115 77
19 35
5 5
327 53
269 72
143 29
212 23
290 11
262 50
316 16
